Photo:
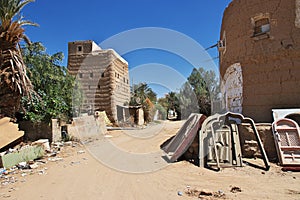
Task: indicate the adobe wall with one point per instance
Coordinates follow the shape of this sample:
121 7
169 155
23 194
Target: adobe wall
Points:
270 62
103 76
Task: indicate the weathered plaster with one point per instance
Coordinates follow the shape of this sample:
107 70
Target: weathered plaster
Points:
297 20
232 88
270 60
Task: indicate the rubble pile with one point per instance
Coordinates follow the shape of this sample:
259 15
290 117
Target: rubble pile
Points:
205 194
35 157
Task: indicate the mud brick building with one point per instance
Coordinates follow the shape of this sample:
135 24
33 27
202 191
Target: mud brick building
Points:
260 57
103 77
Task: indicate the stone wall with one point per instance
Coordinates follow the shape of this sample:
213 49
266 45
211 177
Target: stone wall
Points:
81 128
35 131
249 145
270 59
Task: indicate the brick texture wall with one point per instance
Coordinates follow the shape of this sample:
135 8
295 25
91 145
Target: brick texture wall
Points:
103 76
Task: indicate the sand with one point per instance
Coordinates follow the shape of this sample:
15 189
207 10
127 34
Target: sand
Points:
81 175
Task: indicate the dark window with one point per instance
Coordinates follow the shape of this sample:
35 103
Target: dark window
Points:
79 48
124 79
262 26
102 75
98 86
91 75
80 75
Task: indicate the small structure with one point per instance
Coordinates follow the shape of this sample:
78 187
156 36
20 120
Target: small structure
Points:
103 77
137 114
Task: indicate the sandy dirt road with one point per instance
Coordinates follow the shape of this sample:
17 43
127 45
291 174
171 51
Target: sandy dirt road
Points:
81 175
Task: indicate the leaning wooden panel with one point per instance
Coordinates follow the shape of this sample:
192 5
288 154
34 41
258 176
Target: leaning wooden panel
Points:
287 140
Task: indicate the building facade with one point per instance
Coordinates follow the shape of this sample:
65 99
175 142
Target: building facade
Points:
103 78
260 57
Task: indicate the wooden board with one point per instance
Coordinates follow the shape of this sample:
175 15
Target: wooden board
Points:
9 132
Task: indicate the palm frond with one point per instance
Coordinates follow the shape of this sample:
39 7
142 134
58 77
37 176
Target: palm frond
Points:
26 39
9 9
20 5
13 76
27 23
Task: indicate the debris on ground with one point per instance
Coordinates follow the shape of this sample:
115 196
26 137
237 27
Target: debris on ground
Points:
14 157
204 193
179 193
235 189
80 152
28 159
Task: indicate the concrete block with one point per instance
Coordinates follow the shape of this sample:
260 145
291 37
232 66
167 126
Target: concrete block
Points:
24 155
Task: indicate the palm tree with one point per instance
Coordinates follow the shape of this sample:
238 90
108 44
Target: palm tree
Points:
14 82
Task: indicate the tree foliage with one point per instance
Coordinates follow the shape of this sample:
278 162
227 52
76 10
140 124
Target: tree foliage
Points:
51 82
140 93
188 101
205 87
162 112
195 95
144 96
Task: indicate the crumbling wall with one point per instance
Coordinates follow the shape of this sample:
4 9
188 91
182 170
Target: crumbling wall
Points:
269 60
232 88
249 145
87 127
35 131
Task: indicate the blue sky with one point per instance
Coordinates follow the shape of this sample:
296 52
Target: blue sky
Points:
62 21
